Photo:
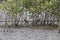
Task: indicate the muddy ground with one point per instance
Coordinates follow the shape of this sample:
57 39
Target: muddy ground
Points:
26 33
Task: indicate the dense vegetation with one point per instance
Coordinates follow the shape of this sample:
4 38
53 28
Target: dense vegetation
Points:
16 8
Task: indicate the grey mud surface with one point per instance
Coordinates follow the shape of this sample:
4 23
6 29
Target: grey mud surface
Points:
29 34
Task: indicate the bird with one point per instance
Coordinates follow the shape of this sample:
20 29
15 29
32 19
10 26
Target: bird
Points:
25 20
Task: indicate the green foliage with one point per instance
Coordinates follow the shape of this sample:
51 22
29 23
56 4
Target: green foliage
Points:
0 7
13 7
17 6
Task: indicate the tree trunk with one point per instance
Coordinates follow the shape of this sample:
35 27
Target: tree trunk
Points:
59 25
7 22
